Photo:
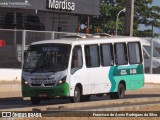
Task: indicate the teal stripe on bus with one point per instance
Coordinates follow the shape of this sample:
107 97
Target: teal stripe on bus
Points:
112 80
133 76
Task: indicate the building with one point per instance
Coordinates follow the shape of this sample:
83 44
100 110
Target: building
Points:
48 15
38 15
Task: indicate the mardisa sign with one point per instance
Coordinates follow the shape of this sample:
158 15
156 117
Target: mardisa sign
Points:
61 5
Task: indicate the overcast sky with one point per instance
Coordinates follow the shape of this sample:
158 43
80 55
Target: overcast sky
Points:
156 2
156 30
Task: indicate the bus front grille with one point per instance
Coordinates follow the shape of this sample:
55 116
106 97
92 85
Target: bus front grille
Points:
48 91
43 85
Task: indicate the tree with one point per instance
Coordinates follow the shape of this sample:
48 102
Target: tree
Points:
144 14
148 15
106 21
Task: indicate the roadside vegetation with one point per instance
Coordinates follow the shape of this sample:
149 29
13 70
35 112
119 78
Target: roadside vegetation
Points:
145 14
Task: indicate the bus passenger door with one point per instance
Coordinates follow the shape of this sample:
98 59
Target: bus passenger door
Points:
78 71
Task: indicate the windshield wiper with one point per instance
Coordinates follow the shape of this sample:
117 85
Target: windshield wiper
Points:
54 69
38 67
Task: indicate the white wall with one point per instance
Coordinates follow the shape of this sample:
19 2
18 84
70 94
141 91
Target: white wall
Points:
15 75
154 78
10 74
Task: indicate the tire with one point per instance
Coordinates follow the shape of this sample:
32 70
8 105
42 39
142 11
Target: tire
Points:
77 96
120 94
85 98
35 100
121 91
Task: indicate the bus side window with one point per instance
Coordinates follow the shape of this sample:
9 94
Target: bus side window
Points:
92 56
107 57
121 57
134 50
77 61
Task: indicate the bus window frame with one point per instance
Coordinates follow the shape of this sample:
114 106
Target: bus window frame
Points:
140 50
125 53
72 60
98 55
112 54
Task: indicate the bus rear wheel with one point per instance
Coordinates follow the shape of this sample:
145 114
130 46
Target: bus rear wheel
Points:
35 100
120 94
77 95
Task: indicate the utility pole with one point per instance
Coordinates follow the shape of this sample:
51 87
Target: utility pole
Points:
128 27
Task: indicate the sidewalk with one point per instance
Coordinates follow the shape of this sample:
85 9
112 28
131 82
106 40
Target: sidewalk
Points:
10 89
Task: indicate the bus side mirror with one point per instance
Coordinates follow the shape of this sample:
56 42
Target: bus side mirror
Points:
25 53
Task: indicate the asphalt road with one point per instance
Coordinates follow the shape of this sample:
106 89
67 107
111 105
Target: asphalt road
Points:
13 101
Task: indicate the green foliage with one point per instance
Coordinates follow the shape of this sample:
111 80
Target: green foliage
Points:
144 14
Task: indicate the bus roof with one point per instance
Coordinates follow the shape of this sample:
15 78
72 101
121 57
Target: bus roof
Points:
89 40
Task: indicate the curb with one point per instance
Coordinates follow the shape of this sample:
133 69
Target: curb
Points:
123 108
84 105
107 102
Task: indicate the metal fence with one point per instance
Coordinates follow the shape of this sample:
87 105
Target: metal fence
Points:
152 56
16 41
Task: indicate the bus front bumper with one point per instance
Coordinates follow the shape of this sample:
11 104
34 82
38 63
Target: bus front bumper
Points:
51 92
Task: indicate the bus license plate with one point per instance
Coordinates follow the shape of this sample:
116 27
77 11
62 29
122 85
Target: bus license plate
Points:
43 95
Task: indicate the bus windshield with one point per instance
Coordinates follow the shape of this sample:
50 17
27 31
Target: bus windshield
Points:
47 58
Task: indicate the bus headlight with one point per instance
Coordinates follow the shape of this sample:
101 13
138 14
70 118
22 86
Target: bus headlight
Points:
63 80
25 82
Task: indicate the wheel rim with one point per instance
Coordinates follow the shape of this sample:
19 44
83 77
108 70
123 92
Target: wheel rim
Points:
121 92
77 96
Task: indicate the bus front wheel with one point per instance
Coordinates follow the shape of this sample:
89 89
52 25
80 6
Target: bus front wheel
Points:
77 95
119 94
35 100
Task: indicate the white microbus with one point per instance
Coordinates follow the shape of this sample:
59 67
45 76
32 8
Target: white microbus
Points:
147 58
78 68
